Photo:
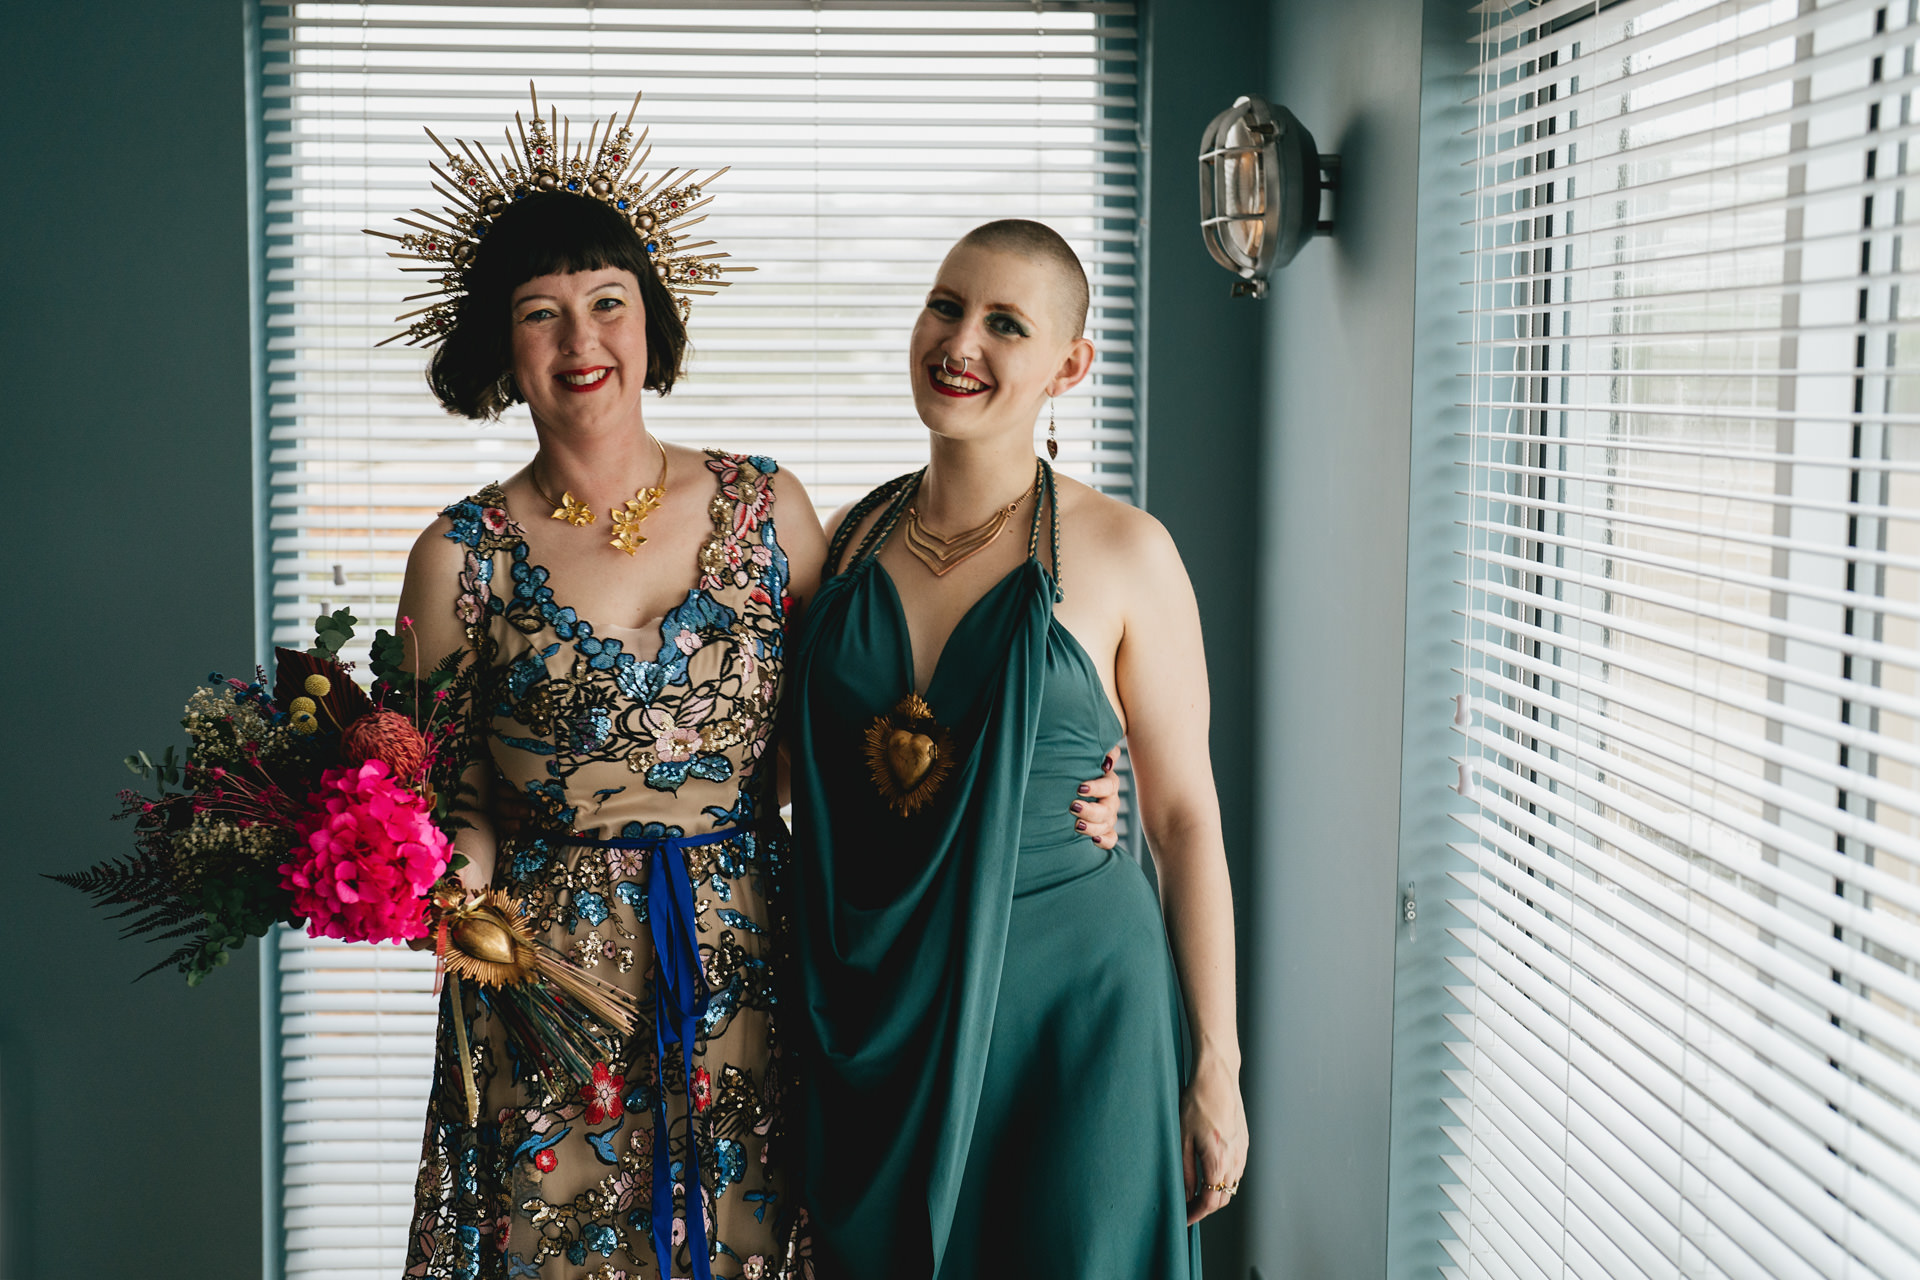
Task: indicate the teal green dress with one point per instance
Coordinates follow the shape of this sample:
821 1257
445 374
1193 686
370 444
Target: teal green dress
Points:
991 1037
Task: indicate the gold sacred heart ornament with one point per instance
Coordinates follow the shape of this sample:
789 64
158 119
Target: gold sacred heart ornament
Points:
909 755
488 940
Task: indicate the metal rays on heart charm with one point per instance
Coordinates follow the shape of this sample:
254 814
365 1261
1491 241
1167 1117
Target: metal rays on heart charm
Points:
909 755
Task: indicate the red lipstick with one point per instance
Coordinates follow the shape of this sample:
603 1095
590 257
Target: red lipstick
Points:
581 388
955 392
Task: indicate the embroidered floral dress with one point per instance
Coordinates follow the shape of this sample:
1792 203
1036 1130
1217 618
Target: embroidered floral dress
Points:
652 740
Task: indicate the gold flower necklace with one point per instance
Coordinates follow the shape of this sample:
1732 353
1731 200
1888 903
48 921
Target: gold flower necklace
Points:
626 517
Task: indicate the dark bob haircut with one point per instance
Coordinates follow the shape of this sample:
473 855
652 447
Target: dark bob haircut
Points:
553 233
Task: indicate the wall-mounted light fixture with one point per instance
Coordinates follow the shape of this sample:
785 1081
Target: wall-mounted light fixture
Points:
1260 191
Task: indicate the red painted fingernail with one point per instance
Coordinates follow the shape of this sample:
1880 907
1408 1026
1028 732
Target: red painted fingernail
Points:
1106 766
1079 826
1076 807
1086 789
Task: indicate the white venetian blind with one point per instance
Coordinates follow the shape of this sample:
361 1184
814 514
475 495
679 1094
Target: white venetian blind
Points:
1688 1015
864 138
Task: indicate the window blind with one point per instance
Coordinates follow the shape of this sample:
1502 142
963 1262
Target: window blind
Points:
1687 1016
864 138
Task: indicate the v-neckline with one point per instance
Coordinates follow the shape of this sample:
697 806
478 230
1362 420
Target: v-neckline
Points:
906 627
1054 625
658 625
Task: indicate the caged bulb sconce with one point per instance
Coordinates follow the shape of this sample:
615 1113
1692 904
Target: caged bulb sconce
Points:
1260 191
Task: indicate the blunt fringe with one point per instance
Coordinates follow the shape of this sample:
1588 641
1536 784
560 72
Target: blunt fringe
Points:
553 233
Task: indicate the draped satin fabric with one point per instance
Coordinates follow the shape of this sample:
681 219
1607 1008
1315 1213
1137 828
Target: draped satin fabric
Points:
987 1003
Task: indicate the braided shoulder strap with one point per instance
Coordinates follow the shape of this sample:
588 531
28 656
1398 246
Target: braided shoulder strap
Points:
885 494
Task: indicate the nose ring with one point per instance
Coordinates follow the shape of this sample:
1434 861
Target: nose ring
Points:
961 372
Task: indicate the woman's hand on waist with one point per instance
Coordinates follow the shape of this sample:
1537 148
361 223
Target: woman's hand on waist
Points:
1096 808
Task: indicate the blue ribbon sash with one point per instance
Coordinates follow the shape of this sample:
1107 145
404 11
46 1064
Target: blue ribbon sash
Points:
680 996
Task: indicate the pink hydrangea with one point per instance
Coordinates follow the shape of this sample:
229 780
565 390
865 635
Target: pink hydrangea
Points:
367 853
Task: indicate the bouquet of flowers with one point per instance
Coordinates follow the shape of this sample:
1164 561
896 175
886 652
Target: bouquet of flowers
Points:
310 801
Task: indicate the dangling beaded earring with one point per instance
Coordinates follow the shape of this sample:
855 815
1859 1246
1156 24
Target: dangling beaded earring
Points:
1053 443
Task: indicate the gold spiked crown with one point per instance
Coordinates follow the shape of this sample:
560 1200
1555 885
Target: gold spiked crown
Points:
479 188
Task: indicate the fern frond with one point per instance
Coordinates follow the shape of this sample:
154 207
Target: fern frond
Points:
179 960
141 880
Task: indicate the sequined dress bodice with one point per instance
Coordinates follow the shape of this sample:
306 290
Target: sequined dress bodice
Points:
603 734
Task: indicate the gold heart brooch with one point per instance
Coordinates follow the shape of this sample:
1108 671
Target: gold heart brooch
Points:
909 755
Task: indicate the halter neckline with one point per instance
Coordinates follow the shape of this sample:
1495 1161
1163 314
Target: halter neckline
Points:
897 494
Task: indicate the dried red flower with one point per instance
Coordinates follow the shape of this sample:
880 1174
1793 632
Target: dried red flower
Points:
388 736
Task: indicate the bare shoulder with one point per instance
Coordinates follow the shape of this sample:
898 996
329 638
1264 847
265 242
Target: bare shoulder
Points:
839 518
438 550
790 494
876 501
430 595
1114 537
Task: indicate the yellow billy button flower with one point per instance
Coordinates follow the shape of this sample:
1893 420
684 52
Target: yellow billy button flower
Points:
302 707
318 685
303 722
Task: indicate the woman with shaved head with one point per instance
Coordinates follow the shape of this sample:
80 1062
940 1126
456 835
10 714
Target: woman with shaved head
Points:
1001 1074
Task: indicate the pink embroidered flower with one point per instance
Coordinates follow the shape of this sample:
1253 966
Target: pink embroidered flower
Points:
750 492
366 854
468 606
752 501
627 864
494 518
687 641
602 1094
702 1089
754 1268
676 743
502 1231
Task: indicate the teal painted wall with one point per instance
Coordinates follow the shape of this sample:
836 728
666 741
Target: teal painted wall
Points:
1331 628
1352 650
1203 426
1301 451
129 1115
